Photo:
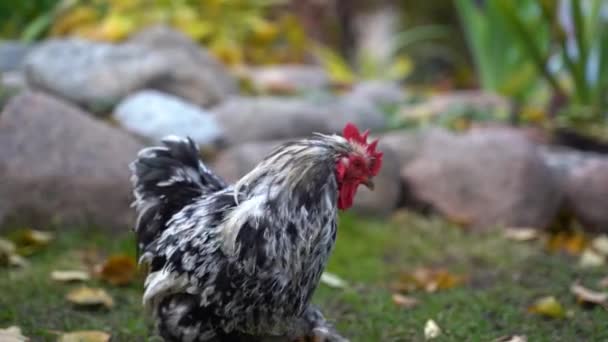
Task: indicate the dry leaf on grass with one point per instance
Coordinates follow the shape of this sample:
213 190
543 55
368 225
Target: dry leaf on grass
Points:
87 296
9 256
548 307
428 279
431 330
29 241
12 334
585 295
591 258
404 301
70 276
521 234
333 280
512 338
572 243
85 336
600 245
118 270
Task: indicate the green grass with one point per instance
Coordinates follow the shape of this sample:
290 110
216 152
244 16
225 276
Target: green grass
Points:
505 277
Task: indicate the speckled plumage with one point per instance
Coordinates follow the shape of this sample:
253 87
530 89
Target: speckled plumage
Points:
227 263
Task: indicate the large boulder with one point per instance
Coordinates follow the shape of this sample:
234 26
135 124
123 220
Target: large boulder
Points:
237 161
154 115
271 118
98 75
58 164
584 178
484 179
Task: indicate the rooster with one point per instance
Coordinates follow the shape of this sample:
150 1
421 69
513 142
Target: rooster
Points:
241 262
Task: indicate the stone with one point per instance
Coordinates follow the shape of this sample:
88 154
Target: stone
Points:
13 80
388 189
235 162
271 118
380 93
60 165
484 179
98 75
154 115
405 144
196 75
12 55
287 79
584 179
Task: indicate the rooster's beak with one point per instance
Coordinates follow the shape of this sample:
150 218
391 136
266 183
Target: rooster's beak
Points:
369 184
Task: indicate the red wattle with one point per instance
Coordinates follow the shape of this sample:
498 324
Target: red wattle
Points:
347 194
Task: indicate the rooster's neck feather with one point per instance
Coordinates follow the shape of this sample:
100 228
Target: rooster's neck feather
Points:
298 173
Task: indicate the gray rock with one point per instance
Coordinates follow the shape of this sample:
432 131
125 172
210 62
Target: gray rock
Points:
405 144
13 80
195 74
99 75
12 55
360 111
154 115
388 189
380 93
237 161
59 164
269 118
484 179
287 78
584 178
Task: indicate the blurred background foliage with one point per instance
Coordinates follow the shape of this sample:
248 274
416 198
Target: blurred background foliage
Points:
542 53
550 57
236 31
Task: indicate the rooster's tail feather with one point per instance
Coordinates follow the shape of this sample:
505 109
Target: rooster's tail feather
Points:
165 179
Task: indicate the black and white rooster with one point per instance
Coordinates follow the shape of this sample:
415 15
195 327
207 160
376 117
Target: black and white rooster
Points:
241 262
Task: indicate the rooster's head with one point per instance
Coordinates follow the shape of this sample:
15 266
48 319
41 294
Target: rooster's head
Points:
358 166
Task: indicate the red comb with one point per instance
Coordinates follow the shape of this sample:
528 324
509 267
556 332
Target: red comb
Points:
351 133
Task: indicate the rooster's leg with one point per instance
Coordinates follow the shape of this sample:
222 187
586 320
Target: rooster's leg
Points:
318 329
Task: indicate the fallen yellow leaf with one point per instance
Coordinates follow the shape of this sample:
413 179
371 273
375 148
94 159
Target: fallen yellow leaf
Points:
333 280
118 270
70 276
9 256
28 241
85 336
87 296
428 279
404 301
600 245
549 307
590 258
521 234
585 295
431 330
12 334
572 243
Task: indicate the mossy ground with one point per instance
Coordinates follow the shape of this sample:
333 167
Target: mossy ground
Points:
504 278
